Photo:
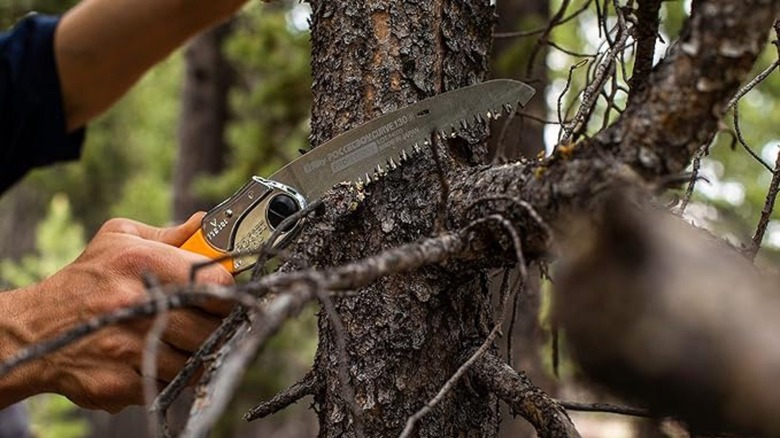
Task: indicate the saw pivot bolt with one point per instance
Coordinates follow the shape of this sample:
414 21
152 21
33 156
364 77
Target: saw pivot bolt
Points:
280 208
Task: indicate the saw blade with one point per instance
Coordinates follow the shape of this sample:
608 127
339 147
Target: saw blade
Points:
361 152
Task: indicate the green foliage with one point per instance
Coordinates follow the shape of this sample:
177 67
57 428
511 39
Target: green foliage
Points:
53 416
271 105
58 241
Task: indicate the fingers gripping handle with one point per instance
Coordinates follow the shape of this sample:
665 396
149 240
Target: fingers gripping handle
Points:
244 222
197 243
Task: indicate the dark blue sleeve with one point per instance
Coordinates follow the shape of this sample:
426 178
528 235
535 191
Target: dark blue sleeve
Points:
32 120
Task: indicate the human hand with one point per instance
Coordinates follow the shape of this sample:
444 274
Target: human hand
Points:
103 371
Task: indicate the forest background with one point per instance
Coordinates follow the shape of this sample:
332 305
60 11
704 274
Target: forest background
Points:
141 162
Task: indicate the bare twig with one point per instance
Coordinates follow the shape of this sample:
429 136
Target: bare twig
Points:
606 408
590 96
741 139
177 385
308 385
411 421
753 84
143 310
766 212
554 21
341 342
299 288
157 423
646 35
523 398
697 158
561 118
527 33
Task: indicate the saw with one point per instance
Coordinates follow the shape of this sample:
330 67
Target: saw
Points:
244 222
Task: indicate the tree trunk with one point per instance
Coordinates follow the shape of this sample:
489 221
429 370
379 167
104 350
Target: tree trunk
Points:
406 335
204 116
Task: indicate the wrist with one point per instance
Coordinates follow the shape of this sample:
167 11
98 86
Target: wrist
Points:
18 332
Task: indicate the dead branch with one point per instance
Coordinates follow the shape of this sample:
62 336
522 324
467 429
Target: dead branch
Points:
298 289
488 343
175 300
516 390
308 385
606 408
646 35
766 212
572 130
685 324
177 385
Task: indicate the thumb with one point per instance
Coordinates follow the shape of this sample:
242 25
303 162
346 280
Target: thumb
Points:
175 235
179 234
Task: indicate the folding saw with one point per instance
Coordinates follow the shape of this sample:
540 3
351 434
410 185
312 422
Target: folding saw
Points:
245 221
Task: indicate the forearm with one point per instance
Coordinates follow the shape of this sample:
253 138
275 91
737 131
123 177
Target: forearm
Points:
104 46
15 334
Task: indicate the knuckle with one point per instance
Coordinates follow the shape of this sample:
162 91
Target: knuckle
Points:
218 276
117 298
134 259
118 347
114 225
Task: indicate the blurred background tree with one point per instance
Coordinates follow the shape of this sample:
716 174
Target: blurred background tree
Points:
236 103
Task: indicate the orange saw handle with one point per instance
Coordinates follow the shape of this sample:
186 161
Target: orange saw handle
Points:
197 244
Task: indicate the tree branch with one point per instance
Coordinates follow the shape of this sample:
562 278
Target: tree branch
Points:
308 385
516 390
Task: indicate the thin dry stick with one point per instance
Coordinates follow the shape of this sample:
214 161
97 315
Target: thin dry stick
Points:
554 21
177 385
606 408
157 423
700 154
559 107
297 292
341 342
753 84
411 421
143 310
527 33
741 139
308 385
590 96
766 213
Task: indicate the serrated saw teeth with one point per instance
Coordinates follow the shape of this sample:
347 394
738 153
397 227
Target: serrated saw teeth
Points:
391 164
508 108
404 156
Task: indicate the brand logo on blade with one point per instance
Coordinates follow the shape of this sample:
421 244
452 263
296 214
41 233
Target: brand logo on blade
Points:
361 148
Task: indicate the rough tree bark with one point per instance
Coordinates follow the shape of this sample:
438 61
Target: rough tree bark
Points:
406 334
420 308
513 138
204 116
